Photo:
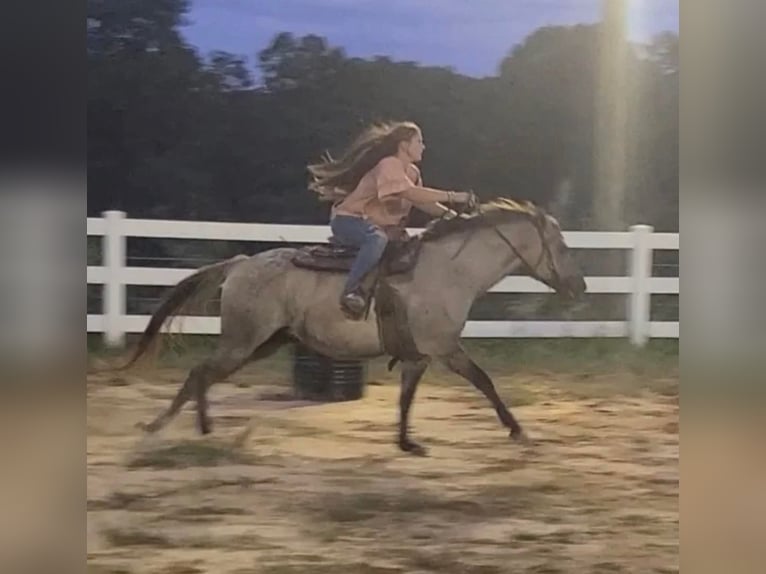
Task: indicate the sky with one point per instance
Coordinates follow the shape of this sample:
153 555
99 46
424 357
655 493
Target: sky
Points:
470 36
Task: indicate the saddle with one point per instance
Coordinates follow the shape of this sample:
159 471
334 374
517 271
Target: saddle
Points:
399 256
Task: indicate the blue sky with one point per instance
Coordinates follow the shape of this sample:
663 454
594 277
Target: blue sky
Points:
471 36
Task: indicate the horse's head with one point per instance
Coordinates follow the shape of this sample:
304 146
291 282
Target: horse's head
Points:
533 237
560 270
543 251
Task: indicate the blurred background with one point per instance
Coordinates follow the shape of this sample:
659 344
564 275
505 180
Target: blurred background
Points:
212 109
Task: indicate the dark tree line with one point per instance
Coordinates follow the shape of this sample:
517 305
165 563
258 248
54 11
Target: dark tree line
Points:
173 134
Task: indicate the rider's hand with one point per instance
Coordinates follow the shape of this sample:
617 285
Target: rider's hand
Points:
461 196
450 214
467 197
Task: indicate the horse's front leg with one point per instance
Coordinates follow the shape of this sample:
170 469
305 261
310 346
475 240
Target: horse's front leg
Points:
412 372
459 362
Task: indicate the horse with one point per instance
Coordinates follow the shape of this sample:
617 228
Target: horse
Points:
267 300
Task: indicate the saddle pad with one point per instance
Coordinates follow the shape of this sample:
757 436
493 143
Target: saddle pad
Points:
325 257
398 257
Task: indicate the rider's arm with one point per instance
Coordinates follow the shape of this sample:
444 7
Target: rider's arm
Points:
391 179
418 194
436 209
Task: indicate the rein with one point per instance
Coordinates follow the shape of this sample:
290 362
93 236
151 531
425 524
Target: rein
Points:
545 250
530 269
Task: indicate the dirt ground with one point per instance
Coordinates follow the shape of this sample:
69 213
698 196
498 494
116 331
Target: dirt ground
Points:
321 488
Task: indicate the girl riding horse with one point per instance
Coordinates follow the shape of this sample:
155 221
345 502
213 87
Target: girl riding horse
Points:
373 187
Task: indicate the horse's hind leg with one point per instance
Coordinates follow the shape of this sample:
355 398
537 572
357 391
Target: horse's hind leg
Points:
223 363
231 355
183 395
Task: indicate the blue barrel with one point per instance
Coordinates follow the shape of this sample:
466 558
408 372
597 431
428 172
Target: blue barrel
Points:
317 377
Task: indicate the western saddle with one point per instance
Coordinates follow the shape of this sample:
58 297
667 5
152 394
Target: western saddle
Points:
399 256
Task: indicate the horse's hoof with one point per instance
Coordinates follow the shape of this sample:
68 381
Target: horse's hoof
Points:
413 448
148 428
521 437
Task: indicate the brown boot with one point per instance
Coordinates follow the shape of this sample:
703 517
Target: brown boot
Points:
353 305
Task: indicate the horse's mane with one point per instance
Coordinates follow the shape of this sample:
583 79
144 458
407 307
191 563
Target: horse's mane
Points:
488 214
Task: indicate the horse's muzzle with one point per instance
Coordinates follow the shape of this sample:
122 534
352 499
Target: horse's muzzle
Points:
577 287
572 288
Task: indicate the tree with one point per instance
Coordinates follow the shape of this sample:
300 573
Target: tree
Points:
175 135
230 71
289 62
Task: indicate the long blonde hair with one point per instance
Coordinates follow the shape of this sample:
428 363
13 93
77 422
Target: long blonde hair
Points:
334 179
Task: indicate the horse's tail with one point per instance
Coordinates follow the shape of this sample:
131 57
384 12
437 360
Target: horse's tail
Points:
200 284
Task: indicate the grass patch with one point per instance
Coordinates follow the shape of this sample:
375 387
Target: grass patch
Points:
484 569
334 568
179 350
241 482
132 501
506 356
189 454
558 537
604 567
99 569
194 513
563 537
527 537
485 503
433 561
348 512
119 501
509 499
636 520
566 355
545 569
444 561
550 488
360 506
120 537
180 569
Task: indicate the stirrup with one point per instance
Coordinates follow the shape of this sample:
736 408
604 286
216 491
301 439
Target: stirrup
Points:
351 310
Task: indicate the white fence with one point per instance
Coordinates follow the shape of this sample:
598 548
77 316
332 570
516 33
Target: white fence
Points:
640 285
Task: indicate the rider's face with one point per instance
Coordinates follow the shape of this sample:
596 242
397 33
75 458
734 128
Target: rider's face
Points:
414 147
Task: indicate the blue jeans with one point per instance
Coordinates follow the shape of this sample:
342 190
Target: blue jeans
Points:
370 239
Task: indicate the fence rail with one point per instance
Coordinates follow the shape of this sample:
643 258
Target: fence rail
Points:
114 275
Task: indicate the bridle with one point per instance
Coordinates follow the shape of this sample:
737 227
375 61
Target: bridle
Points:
545 250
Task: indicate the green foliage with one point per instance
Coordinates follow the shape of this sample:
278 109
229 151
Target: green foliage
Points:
188 454
582 355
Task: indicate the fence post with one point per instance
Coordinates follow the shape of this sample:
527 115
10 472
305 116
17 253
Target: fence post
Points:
114 289
639 310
